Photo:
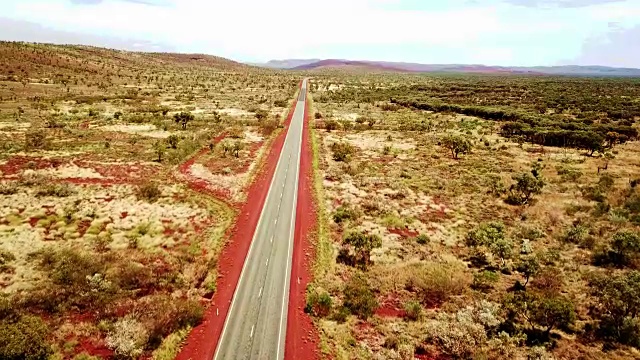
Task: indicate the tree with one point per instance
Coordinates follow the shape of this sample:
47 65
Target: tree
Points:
159 148
540 310
486 234
173 141
183 118
502 248
331 125
590 141
618 306
624 245
553 312
342 151
362 245
359 298
525 187
529 267
237 147
457 144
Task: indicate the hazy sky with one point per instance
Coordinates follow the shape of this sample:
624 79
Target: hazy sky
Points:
493 32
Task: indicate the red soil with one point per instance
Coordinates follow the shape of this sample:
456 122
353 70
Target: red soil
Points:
302 338
202 341
391 307
405 233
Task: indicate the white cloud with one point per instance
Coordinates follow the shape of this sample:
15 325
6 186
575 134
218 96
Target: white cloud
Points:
492 31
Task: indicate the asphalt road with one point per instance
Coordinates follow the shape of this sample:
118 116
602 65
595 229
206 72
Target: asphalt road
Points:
255 326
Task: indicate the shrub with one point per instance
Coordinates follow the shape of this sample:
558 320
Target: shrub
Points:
318 304
342 151
529 267
159 148
457 144
413 310
36 139
437 282
8 189
423 239
359 298
173 141
128 337
486 234
149 192
183 118
462 334
345 212
5 258
24 338
525 187
362 244
575 234
56 190
331 125
163 315
544 310
484 280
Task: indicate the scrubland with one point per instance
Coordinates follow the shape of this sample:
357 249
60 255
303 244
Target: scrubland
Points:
476 217
120 174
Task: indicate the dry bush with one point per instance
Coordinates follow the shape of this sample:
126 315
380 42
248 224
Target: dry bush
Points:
436 282
36 139
149 192
128 337
163 315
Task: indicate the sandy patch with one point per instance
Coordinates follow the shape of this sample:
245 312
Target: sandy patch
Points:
235 112
143 130
70 171
252 136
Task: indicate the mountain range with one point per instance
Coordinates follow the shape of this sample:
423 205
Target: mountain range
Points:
387 66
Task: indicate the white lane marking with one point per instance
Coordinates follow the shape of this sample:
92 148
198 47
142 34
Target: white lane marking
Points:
255 233
251 335
260 293
267 262
217 311
291 236
271 239
275 221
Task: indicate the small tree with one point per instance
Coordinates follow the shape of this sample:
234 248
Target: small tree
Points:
237 147
624 245
173 141
183 118
362 245
525 187
618 307
457 144
553 312
159 148
529 267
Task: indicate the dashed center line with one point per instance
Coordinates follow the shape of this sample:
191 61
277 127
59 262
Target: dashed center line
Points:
252 327
260 293
267 262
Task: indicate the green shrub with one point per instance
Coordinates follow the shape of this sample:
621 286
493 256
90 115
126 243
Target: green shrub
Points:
576 234
24 338
413 310
423 239
359 298
525 187
342 151
345 212
484 280
362 244
318 304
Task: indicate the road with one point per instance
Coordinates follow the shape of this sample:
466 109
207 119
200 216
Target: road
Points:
255 326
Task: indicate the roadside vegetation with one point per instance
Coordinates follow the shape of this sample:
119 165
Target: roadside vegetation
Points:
477 217
119 175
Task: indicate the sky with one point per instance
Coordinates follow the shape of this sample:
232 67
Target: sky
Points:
490 32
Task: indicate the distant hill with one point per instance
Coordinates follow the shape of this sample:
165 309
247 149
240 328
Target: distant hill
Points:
40 60
289 64
386 66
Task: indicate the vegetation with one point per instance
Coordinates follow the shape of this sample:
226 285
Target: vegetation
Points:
525 248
